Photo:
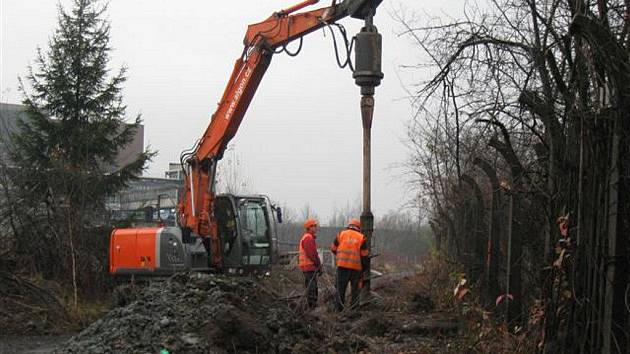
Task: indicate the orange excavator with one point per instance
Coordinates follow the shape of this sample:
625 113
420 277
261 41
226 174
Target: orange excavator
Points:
229 233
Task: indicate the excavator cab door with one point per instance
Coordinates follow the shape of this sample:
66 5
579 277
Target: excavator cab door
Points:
246 234
256 233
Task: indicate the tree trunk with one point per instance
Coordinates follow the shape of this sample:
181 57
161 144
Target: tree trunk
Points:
479 235
494 231
514 234
615 302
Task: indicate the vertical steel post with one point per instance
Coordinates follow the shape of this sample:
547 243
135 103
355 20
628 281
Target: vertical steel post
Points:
367 75
367 218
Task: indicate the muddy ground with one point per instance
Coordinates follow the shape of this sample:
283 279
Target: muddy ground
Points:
201 313
16 344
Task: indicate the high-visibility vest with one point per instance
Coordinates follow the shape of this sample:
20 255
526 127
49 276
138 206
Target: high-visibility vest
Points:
349 250
305 263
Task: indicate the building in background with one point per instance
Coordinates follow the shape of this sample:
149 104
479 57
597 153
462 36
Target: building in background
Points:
174 171
147 192
11 113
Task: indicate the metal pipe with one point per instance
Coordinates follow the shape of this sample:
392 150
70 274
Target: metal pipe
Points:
192 189
367 112
367 218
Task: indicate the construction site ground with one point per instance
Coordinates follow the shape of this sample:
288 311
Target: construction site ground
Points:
205 313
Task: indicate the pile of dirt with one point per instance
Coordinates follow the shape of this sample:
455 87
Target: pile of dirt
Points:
201 313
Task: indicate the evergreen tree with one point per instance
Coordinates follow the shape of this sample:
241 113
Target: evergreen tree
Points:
66 148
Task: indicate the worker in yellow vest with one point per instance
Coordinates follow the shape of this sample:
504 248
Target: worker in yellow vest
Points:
351 253
309 261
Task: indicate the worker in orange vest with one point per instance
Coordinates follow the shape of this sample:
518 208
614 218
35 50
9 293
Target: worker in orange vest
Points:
351 252
309 261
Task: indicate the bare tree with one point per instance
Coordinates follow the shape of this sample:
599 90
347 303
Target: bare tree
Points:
552 79
307 212
231 175
341 216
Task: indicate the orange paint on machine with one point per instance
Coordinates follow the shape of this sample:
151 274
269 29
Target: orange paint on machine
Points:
133 248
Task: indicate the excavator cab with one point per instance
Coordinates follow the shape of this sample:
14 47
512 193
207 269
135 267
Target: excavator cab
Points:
246 227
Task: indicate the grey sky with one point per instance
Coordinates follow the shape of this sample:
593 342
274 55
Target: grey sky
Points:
300 140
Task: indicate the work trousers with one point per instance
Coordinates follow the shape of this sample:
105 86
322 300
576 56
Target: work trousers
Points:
345 276
310 283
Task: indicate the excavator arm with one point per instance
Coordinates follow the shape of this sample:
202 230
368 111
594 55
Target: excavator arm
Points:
261 41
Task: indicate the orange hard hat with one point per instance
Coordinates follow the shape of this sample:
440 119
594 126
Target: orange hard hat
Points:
310 223
355 222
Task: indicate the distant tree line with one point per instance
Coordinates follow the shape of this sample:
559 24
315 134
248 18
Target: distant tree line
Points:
398 236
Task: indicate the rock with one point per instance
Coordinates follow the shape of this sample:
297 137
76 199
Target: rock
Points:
190 338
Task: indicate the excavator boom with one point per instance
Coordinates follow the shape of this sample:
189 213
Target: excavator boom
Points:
196 213
261 40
